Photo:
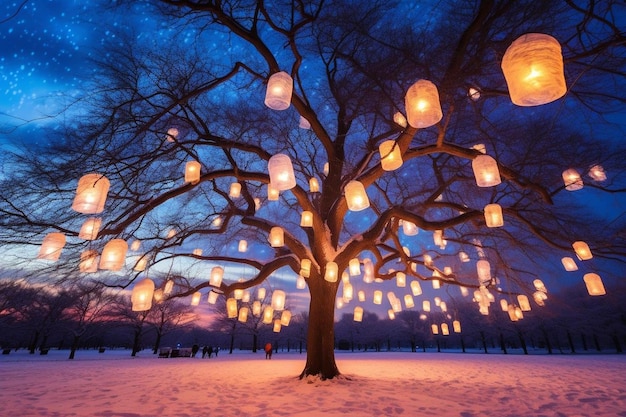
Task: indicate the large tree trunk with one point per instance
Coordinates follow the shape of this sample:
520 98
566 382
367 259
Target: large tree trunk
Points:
74 347
320 354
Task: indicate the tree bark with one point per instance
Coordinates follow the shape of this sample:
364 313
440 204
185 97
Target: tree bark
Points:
75 341
320 356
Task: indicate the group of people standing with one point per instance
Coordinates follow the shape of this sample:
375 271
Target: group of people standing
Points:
207 351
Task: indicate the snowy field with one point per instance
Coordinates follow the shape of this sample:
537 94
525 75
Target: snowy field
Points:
374 384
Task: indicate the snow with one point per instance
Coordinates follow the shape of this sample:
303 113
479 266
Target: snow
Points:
373 384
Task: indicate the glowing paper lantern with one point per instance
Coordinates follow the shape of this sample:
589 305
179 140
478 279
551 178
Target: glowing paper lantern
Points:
504 305
91 194
434 328
278 300
408 301
399 119
217 274
197 252
582 250
540 297
285 318
231 308
422 105
135 245
569 264
195 298
243 314
594 284
438 237
51 246
305 267
331 273
326 168
464 257
306 220
493 215
113 255
141 296
354 267
512 313
523 302
300 282
314 185
268 315
390 156
304 123
486 171
281 172
261 293
212 299
277 326
348 292
356 197
426 305
368 271
192 172
378 297
358 313
277 237
169 286
172 134
539 285
272 193
456 326
597 173
484 271
473 93
235 190
278 92
533 69
436 284
238 293
401 279
88 261
409 229
444 329
142 263
256 308
242 246
572 180
361 296
158 295
90 228
416 288
391 314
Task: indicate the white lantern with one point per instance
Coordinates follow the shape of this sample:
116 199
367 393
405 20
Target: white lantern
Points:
300 282
169 286
281 172
142 263
523 302
356 197
242 246
272 193
243 314
354 267
409 229
348 292
408 301
582 250
533 69
456 326
445 329
256 308
314 185
172 134
91 194
390 155
277 237
305 267
304 123
135 245
285 318
88 261
113 255
279 90
569 264
572 180
597 173
90 228
539 285
268 315
484 271
378 297
493 215
212 299
235 190
594 284
436 284
361 296
464 257
486 171
434 328
261 293
277 326
504 305
51 246
416 288
422 105
368 271
358 313
400 279
192 172
141 296
217 274
231 308
426 305
306 219
332 272
399 119
195 298
278 300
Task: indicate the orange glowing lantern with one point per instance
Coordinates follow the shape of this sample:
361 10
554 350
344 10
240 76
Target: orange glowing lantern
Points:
572 180
279 90
256 308
332 272
409 229
486 171
426 305
172 134
235 190
408 301
314 185
306 220
569 264
597 173
523 302
358 313
114 255
399 119
356 197
88 261
192 172
400 279
231 308
416 288
142 294
268 315
278 300
195 298
277 237
281 172
91 194
390 156
285 318
90 228
272 193
422 105
582 250
483 268
493 215
243 314
594 284
304 123
277 326
354 267
217 274
305 267
533 69
361 296
242 246
456 326
445 330
51 246
378 297
212 299
434 328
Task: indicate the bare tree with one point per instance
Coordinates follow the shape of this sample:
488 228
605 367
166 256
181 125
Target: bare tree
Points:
155 107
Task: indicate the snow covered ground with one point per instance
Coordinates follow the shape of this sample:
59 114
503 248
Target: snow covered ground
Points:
376 384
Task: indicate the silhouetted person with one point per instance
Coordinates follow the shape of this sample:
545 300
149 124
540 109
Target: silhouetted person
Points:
194 350
217 349
210 351
205 350
268 351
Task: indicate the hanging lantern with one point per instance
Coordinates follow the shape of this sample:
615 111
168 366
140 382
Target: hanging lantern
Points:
523 302
135 245
91 194
434 328
572 180
594 284
348 292
339 304
171 233
493 215
445 330
354 267
426 305
436 284
540 297
277 326
141 263
378 297
539 285
261 294
197 252
582 250
231 308
399 119
464 257
268 315
314 185
285 318
486 171
113 255
141 296
512 313
213 297
356 197
300 282
243 314
281 172
306 220
278 300
277 237
304 123
597 173
158 295
192 172
358 313
217 222
437 301
473 93
533 69
172 134
51 246
235 190
256 308
409 229
569 264
90 228
361 296
484 271
169 286
390 156
217 274
332 272
504 305
456 326
428 260
326 168
408 301
422 105
88 261
438 237
195 298
368 271
272 193
305 267
278 92
246 296
443 306
242 246
238 293
416 288
518 313
400 279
